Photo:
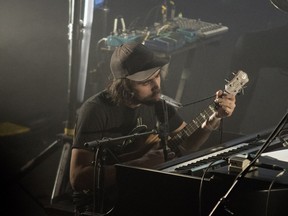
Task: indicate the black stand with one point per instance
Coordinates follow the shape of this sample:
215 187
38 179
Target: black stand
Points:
100 146
163 131
99 163
272 136
30 165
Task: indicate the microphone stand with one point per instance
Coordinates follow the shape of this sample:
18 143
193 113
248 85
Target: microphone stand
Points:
163 132
97 143
99 146
241 175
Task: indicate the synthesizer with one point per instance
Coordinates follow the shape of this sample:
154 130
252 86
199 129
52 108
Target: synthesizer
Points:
198 193
215 157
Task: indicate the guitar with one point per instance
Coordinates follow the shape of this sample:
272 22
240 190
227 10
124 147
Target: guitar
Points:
232 87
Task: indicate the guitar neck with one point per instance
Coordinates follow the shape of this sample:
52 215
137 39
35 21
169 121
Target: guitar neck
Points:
190 128
232 87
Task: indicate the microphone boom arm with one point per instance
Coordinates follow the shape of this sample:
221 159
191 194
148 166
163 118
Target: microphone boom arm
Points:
97 143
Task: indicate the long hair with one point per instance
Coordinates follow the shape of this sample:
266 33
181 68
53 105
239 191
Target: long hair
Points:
120 91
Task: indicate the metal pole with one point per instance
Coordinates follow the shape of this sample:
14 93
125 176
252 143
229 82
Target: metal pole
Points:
79 35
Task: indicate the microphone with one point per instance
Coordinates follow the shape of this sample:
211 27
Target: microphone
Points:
171 101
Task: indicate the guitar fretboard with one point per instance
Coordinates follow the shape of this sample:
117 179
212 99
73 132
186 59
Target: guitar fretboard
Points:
190 128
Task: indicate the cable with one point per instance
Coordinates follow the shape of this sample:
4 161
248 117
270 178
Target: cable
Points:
149 14
201 100
269 190
201 186
133 23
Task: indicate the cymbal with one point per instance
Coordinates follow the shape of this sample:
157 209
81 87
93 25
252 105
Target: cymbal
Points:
280 4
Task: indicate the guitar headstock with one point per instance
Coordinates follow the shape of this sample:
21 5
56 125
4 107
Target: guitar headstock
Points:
237 83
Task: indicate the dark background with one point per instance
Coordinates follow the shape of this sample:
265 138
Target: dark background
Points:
34 71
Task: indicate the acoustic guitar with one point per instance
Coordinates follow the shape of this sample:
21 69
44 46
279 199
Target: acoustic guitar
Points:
234 86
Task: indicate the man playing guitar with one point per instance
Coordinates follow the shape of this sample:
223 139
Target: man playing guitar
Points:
132 101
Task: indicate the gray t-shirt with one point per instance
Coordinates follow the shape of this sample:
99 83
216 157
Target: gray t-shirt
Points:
100 118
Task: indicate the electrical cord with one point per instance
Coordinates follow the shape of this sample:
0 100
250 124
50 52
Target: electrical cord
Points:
269 190
201 100
152 10
201 186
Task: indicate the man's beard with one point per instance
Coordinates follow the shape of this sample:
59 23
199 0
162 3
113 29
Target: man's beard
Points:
150 100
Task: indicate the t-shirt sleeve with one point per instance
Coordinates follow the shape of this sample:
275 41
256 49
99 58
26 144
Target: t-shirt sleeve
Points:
89 124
